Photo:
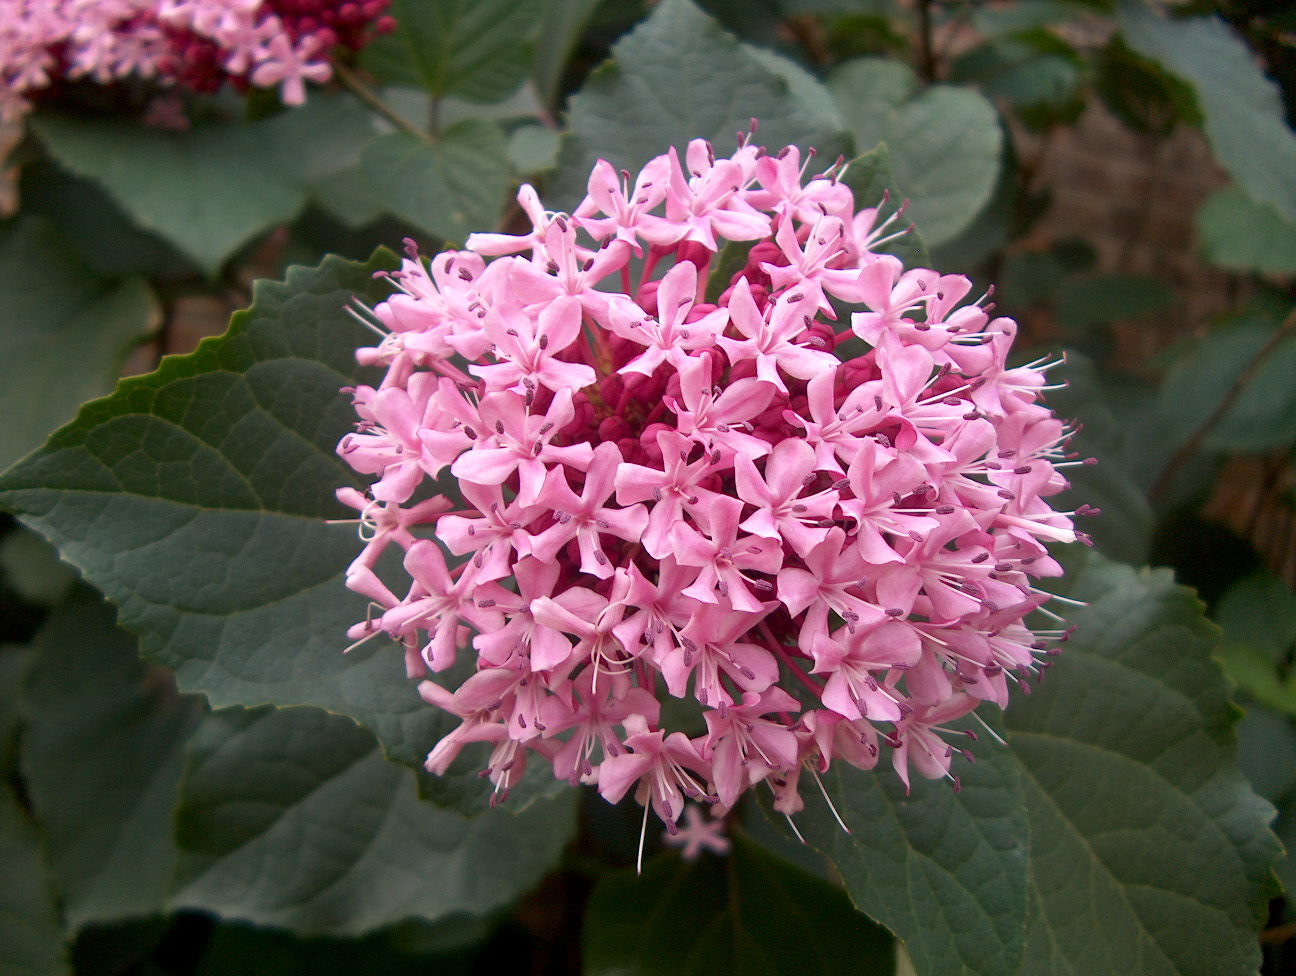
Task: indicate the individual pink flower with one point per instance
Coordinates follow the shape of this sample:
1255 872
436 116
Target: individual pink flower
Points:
697 835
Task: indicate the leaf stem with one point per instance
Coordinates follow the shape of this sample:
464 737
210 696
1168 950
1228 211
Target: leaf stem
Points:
926 50
1181 456
352 83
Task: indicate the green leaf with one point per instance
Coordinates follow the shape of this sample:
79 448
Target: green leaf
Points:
291 817
1258 614
479 50
450 189
561 26
1267 752
1149 852
944 871
676 77
32 567
63 344
991 21
1139 93
1241 234
945 142
222 563
872 185
15 659
1255 673
990 230
1034 70
1124 529
286 817
102 754
85 216
405 949
1242 109
321 145
1260 610
1102 299
208 190
31 939
533 149
1145 850
323 137
747 912
1264 414
163 496
730 259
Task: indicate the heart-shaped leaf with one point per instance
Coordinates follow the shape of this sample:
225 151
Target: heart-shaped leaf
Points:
945 871
102 752
944 142
291 817
1241 108
1145 850
1142 828
678 76
448 189
208 190
196 497
30 933
479 50
1241 234
745 912
64 345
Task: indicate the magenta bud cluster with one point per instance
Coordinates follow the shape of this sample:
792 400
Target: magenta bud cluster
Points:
196 44
814 527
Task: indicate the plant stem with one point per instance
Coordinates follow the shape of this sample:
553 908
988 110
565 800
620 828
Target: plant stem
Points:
1181 456
362 91
926 51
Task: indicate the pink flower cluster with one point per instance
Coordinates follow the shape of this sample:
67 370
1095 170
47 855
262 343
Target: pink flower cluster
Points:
821 534
199 44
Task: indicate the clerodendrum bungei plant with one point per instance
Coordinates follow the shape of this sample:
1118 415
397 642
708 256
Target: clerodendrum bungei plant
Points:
823 532
714 520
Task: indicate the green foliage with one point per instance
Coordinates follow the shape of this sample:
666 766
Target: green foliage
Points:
944 142
285 817
946 871
1139 93
1124 530
103 749
1113 835
479 50
561 24
263 784
1262 416
1138 822
1243 235
1258 615
1102 299
1037 72
236 580
223 566
1241 108
746 912
447 189
445 949
678 77
61 346
208 190
29 928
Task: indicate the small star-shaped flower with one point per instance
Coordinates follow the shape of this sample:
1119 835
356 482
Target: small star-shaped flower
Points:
698 834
